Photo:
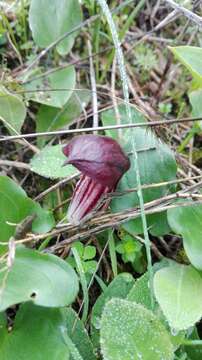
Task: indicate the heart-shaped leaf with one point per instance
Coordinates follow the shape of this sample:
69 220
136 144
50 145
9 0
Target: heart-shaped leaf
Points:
44 279
178 290
37 334
129 331
16 206
187 221
12 111
49 163
49 20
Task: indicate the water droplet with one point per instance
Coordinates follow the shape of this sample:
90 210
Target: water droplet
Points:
174 332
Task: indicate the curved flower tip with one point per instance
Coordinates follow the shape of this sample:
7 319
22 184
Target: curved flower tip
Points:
102 163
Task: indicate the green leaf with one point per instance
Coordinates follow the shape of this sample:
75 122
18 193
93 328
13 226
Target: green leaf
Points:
119 287
156 164
178 290
50 20
79 246
140 292
191 57
130 332
50 118
109 118
12 111
49 163
158 224
44 279
90 267
195 98
54 89
37 335
16 206
89 252
79 335
187 221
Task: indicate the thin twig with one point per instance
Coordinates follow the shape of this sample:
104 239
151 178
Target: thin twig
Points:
55 186
151 186
184 11
117 221
16 164
57 41
9 126
102 222
99 128
66 34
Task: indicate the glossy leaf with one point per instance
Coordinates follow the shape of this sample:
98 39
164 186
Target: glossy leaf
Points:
50 118
12 111
37 334
16 206
50 20
129 331
44 279
49 163
191 57
187 221
178 290
54 89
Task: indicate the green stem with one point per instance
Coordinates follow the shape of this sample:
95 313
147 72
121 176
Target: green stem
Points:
124 79
83 283
192 342
122 33
24 26
112 252
131 17
186 141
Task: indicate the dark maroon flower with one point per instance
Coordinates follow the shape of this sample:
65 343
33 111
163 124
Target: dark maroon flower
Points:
102 163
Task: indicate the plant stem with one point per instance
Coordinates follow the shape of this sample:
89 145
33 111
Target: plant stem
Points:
83 283
120 59
192 342
112 252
